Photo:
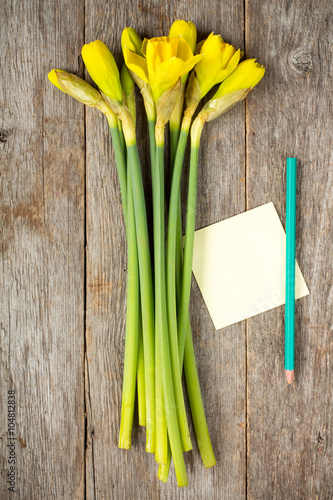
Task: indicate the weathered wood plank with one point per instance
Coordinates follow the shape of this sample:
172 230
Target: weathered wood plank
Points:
114 473
290 451
42 243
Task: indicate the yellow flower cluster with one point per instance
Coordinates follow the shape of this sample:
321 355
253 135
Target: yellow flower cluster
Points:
161 62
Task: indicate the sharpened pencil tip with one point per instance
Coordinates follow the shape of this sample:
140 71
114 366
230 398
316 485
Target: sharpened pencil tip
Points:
289 375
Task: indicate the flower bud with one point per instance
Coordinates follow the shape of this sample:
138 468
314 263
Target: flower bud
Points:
102 68
187 30
131 39
75 87
82 91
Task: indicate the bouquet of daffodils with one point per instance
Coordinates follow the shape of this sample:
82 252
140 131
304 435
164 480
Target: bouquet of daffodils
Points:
173 74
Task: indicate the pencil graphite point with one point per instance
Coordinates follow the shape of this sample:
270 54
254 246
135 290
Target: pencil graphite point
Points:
289 375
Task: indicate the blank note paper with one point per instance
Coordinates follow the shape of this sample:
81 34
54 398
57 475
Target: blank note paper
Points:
239 265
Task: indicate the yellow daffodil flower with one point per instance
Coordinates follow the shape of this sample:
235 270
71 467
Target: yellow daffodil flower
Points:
234 89
165 60
246 76
187 30
103 69
218 61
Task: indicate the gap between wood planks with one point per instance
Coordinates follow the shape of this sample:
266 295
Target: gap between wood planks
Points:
246 321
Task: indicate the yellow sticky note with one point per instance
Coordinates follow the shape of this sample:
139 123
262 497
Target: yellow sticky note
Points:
239 265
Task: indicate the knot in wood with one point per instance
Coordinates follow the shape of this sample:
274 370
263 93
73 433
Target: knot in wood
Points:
320 444
302 62
4 135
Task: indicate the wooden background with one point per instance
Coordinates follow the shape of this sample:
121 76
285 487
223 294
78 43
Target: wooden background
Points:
63 259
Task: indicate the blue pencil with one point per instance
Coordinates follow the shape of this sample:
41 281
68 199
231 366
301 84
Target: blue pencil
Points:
290 269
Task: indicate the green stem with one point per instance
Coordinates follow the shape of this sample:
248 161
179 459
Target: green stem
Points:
174 137
172 238
174 243
162 321
132 327
191 374
141 386
163 469
192 379
161 446
196 403
152 142
120 156
161 424
188 251
121 136
133 321
146 289
171 291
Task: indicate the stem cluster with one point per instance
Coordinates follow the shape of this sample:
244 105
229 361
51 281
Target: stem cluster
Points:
159 342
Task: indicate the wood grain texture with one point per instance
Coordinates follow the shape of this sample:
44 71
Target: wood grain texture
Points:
62 319
120 474
42 251
290 451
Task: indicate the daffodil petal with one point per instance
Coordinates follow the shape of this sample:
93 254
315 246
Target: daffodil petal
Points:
171 70
188 65
144 46
224 73
184 51
247 74
198 46
136 63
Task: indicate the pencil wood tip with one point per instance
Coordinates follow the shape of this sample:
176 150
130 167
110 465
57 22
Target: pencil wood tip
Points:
289 375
